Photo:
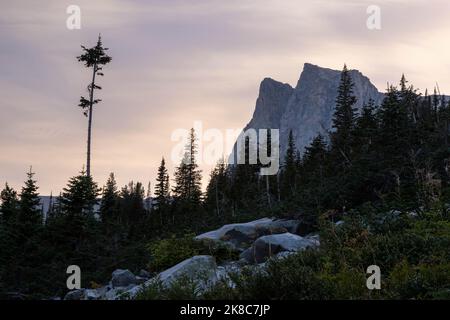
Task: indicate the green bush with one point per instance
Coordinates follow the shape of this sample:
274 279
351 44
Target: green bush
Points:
422 281
180 289
168 252
412 253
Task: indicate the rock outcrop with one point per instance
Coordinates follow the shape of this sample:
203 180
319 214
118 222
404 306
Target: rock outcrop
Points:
257 240
308 108
241 235
268 246
200 269
123 278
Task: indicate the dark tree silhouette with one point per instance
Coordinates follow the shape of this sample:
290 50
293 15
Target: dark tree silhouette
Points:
94 58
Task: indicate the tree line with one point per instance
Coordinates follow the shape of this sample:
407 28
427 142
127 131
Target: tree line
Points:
395 154
392 155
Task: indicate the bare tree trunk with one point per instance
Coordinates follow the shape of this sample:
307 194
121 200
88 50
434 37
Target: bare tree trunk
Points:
91 99
88 161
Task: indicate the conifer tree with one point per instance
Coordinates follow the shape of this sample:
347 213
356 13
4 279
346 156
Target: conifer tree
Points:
315 153
344 118
9 204
366 127
188 176
357 185
30 213
216 191
394 126
93 58
162 185
132 207
289 171
314 177
80 196
110 198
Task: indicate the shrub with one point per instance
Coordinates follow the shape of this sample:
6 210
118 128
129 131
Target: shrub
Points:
168 252
419 282
180 289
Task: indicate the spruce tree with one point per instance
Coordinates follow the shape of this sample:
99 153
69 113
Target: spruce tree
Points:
162 185
93 58
80 196
216 191
132 208
344 118
187 175
30 213
315 153
313 191
357 185
110 198
366 127
394 128
289 171
9 204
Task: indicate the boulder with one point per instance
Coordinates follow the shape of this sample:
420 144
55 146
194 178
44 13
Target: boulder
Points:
122 278
248 229
241 235
144 274
314 238
122 293
413 214
284 254
75 295
198 268
201 269
288 225
267 246
93 294
140 280
339 223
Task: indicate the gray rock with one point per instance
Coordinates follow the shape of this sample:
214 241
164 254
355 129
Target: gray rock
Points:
140 280
270 245
124 293
113 294
144 274
308 108
289 225
284 254
201 269
339 223
248 229
75 295
314 238
390 216
197 268
241 235
412 214
92 294
122 278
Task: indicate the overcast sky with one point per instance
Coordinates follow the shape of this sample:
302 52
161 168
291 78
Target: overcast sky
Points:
175 62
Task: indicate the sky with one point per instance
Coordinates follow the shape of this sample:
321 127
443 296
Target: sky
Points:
180 61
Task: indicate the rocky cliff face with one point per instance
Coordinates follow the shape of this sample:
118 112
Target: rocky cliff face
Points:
308 108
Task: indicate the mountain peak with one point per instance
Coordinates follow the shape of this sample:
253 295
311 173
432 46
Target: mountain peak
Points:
308 108
271 103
